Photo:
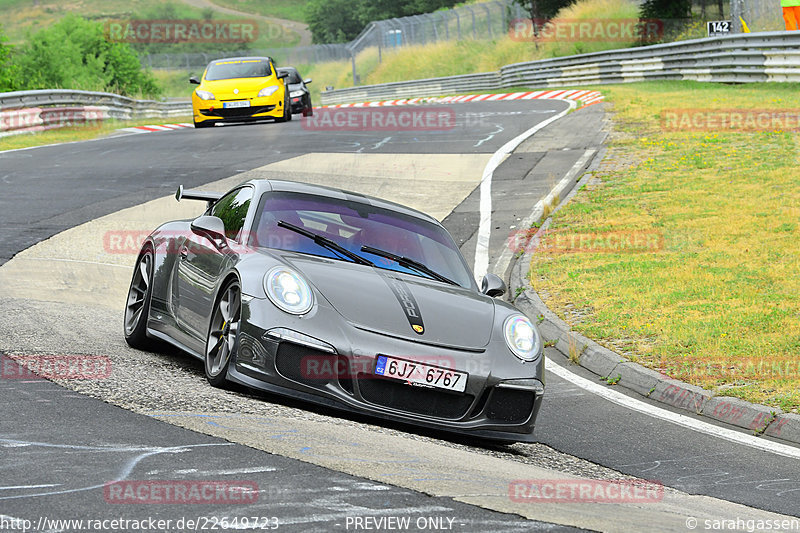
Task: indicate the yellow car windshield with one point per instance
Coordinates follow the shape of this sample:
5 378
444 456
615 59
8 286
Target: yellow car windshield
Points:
240 68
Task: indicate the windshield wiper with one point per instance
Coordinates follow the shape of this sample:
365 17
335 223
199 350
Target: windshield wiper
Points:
408 263
326 243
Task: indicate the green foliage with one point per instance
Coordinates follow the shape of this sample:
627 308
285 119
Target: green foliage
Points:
543 9
332 21
337 21
666 9
8 71
75 54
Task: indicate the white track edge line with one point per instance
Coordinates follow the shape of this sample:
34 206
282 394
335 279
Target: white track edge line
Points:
481 264
675 418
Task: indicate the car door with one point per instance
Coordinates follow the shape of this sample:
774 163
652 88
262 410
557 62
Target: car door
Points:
203 259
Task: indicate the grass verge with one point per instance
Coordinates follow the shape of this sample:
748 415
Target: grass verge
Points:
83 132
712 296
285 9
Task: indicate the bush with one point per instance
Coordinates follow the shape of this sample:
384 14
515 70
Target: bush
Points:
8 71
75 54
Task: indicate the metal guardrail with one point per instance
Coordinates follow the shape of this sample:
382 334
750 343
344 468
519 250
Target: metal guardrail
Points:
44 109
742 58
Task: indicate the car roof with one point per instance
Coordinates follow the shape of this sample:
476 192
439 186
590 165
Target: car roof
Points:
224 59
265 185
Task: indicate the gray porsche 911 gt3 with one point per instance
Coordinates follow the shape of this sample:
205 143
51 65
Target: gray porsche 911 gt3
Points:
339 299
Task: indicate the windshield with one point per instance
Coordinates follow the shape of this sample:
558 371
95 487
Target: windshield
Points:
353 225
238 68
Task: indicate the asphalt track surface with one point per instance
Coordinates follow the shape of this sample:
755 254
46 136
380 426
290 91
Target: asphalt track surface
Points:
55 188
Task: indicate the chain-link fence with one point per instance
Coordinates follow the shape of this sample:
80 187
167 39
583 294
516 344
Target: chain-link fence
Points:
299 55
487 20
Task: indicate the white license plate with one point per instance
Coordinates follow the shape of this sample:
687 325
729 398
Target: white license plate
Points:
417 372
237 103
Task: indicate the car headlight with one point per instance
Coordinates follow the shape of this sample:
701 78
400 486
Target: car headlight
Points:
288 290
268 91
295 94
204 95
522 338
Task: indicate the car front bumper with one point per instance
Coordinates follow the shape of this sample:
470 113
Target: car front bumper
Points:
278 354
258 108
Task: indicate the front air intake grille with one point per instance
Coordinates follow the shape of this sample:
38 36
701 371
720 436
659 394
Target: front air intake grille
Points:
510 405
418 400
305 365
237 112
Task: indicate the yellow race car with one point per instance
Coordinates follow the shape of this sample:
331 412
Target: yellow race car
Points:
240 89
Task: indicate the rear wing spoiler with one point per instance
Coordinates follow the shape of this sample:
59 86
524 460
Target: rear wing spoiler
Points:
209 197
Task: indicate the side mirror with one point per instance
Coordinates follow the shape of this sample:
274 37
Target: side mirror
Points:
213 226
282 75
307 81
492 285
194 80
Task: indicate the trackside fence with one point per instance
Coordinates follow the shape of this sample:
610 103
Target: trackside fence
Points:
740 58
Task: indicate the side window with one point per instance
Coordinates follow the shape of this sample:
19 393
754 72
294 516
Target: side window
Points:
232 209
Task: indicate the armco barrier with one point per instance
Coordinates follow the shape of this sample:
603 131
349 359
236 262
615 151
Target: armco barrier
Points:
740 58
39 110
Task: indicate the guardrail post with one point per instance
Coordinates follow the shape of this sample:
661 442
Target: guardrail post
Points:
353 61
474 28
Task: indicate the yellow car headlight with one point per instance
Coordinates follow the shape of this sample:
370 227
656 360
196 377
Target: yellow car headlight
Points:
204 95
268 91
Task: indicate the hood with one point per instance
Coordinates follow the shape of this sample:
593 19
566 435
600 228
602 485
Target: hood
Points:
392 303
248 87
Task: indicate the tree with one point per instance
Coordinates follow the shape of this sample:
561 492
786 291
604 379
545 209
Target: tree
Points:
666 9
338 21
74 54
539 10
333 21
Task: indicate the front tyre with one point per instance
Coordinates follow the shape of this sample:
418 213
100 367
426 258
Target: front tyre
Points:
203 124
221 344
137 307
287 111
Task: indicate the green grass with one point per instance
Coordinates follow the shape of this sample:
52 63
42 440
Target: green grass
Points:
176 82
716 304
80 133
284 9
19 18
